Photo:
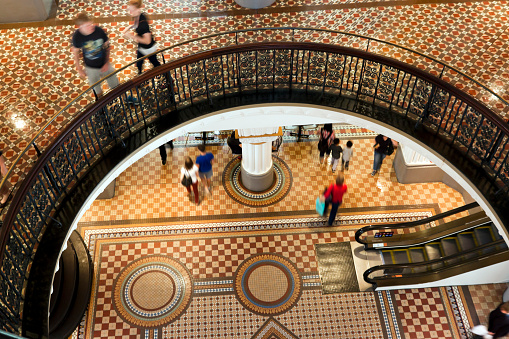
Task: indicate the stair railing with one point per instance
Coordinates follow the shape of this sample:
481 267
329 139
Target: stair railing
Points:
409 224
432 267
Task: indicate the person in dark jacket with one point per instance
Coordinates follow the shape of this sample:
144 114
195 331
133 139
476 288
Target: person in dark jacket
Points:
499 321
381 148
140 32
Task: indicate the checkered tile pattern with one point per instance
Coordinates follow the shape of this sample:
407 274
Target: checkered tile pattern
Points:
149 190
422 313
210 256
486 298
38 77
219 257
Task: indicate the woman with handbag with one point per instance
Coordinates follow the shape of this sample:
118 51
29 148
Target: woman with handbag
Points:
189 177
334 196
140 32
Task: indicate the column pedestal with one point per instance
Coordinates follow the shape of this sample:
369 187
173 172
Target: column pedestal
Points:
257 169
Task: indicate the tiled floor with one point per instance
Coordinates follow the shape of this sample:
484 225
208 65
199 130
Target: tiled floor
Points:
149 190
37 79
150 216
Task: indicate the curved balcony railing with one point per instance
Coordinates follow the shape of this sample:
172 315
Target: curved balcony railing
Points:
451 121
454 76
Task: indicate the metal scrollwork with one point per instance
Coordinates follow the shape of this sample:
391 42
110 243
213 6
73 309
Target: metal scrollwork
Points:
437 108
116 116
387 83
283 62
247 68
265 61
335 69
214 68
420 96
197 82
483 140
317 63
146 99
370 78
467 128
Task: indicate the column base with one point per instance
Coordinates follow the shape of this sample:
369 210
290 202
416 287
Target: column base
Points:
254 4
257 182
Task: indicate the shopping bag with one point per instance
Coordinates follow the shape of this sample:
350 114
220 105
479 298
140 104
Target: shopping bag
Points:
320 206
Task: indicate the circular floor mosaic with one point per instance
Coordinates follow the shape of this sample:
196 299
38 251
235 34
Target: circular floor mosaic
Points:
152 291
279 189
267 284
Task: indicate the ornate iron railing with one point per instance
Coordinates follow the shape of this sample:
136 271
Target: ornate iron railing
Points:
454 76
367 84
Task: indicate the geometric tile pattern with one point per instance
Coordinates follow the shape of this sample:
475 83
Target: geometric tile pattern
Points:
212 259
37 76
37 79
423 314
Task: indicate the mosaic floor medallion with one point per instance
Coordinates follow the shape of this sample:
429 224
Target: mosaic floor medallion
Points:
267 284
279 189
152 291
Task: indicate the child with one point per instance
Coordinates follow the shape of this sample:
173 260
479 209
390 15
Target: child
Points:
336 154
347 155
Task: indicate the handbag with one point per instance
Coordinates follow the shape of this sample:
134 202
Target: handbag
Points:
320 206
187 180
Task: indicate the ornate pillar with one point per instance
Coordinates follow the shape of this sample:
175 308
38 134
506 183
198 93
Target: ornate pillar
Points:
257 171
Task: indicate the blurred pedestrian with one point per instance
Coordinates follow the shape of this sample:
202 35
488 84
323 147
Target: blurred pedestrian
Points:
4 190
334 196
499 321
336 151
347 155
140 32
189 178
383 147
325 141
93 43
204 162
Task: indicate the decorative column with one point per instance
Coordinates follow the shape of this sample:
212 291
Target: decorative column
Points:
257 170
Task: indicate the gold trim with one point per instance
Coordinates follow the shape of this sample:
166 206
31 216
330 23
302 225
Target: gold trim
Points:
277 134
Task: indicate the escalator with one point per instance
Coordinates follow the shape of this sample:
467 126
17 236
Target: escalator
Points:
430 249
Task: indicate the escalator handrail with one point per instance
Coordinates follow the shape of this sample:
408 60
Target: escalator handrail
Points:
431 262
412 223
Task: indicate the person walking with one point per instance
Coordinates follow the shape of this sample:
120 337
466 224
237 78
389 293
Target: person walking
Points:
383 147
162 151
190 173
325 141
334 194
140 32
4 190
498 325
204 162
347 155
336 151
93 43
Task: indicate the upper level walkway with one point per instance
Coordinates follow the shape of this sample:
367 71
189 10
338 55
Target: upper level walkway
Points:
37 76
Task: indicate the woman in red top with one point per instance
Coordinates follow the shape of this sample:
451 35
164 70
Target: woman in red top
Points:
336 190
